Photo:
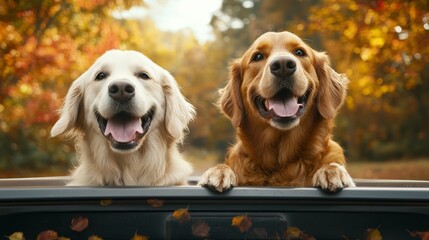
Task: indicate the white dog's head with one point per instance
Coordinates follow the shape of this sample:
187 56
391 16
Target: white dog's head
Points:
123 96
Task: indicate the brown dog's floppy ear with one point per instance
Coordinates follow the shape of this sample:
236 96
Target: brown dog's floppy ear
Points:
178 112
69 111
231 102
332 87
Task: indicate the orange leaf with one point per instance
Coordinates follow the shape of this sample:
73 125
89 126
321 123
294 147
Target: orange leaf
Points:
243 222
182 215
79 224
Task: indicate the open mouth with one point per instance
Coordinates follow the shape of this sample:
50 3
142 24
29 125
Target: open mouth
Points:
125 130
284 107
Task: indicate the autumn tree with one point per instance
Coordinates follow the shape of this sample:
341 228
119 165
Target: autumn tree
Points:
381 46
44 45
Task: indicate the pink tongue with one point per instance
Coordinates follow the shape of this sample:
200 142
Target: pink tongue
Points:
284 107
123 130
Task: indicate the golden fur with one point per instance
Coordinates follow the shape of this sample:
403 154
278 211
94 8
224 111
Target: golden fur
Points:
287 150
141 104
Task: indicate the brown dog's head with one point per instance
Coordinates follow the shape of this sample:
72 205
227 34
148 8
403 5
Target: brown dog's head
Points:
278 80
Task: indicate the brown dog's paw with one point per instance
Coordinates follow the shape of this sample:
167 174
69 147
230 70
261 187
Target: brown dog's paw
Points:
218 178
332 177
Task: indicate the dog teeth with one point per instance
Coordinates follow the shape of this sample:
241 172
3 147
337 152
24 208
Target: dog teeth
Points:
267 104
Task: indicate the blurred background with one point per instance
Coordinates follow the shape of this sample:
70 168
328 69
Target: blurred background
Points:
382 46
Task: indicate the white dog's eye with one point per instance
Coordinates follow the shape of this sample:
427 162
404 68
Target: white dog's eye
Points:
143 75
100 76
299 52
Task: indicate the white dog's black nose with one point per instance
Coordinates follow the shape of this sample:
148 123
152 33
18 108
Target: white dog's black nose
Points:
121 91
283 67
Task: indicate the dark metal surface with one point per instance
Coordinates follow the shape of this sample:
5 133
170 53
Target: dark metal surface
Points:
33 205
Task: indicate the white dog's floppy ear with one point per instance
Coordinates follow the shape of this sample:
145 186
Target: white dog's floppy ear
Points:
70 109
178 112
332 87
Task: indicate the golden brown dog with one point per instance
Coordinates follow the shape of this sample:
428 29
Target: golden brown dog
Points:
282 97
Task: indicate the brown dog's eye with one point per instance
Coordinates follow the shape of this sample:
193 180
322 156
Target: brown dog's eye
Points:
300 52
257 57
143 75
100 76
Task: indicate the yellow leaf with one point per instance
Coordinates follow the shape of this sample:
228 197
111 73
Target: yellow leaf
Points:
139 237
17 236
95 237
351 30
373 234
293 232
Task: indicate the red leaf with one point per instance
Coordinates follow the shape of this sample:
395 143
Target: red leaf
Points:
156 203
47 235
421 235
79 224
200 229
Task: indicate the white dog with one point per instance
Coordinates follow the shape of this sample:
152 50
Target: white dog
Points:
127 116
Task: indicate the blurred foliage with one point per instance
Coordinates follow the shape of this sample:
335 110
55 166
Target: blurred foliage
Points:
381 45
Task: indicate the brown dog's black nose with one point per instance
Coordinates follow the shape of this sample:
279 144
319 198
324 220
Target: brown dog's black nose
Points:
121 91
283 67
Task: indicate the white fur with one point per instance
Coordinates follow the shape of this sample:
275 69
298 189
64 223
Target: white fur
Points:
220 177
332 177
156 161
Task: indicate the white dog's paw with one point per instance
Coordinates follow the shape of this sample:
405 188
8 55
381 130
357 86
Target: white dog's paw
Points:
332 177
218 178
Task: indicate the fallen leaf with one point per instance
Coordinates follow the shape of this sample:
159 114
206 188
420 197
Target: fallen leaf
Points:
182 215
156 203
421 235
95 237
294 233
47 235
373 234
16 236
200 229
106 202
79 224
139 237
260 233
243 222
